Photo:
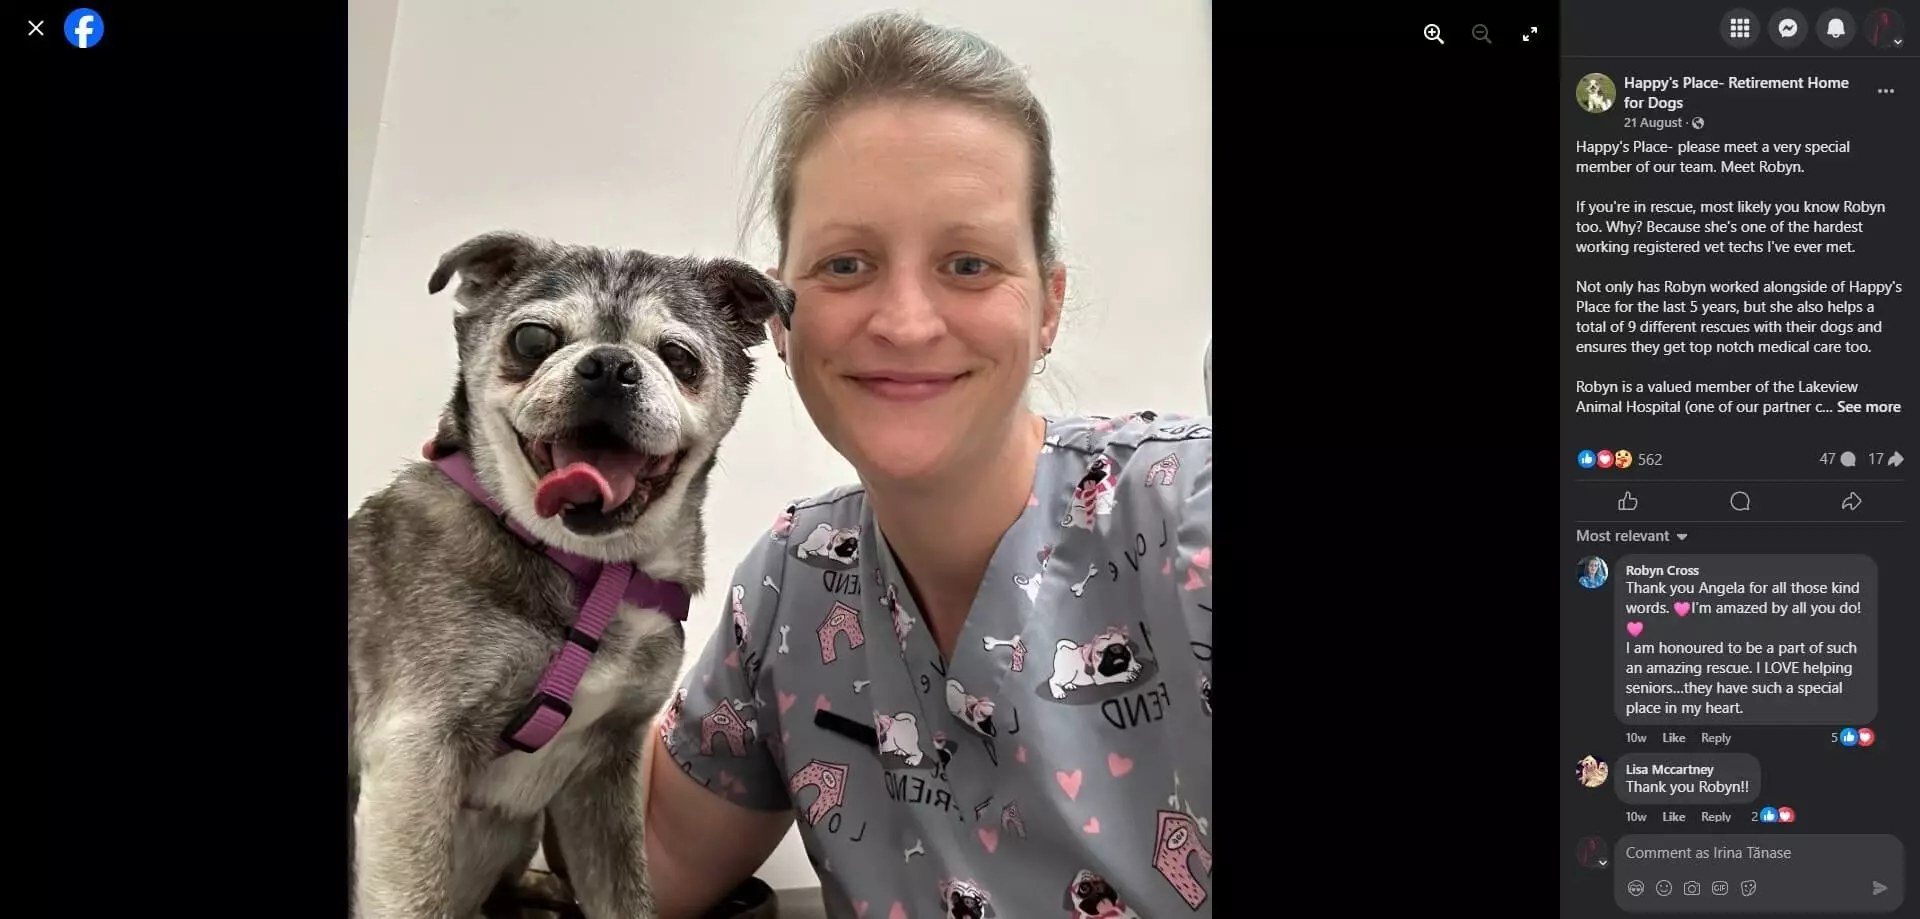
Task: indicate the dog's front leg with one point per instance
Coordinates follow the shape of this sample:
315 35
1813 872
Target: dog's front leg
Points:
597 817
404 826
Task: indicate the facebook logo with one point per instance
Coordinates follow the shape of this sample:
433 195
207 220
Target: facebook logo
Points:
84 28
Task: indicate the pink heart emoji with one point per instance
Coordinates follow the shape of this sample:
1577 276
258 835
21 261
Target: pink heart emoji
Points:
786 701
990 838
821 704
1633 629
1118 765
1020 753
1069 783
1682 608
733 659
1093 825
860 908
897 912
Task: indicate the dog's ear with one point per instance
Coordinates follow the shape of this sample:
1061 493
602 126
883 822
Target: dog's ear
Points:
747 297
485 264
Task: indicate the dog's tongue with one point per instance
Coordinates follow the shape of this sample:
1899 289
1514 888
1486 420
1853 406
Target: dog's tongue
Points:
583 476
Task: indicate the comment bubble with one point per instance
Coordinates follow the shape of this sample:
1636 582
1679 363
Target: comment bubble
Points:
1746 639
1760 873
1687 778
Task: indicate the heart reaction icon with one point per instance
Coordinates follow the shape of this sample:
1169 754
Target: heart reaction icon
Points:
1682 608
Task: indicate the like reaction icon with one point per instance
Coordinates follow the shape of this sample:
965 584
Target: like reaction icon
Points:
1628 502
1849 737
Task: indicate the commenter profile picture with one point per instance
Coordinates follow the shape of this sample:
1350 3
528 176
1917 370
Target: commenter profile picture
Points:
1591 771
1593 572
1594 93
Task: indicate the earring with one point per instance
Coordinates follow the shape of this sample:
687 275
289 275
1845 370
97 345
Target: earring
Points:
784 365
1040 366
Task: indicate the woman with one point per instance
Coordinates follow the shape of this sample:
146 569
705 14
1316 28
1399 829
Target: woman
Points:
979 678
1593 573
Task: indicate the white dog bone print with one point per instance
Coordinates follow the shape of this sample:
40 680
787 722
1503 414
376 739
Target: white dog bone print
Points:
1019 649
1080 589
767 582
861 684
918 849
783 638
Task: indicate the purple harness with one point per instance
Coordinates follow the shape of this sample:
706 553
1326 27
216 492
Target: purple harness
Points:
603 586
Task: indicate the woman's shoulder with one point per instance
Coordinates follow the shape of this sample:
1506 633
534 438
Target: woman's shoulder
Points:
818 532
1144 438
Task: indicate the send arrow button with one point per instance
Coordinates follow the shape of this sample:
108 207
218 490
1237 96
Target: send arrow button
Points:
1879 888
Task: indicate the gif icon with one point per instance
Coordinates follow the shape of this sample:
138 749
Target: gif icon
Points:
84 28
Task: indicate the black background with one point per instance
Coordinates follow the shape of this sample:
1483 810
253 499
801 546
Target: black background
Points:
186 312
1706 457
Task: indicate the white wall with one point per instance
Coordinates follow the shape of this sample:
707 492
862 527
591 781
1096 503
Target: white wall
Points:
628 124
369 47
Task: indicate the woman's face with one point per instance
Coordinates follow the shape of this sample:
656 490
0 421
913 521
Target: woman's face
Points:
920 304
1593 567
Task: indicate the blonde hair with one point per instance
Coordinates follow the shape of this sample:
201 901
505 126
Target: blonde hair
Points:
899 56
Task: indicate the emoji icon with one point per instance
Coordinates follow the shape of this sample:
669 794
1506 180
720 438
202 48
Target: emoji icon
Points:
1585 459
1769 815
1664 888
1604 460
1848 737
1622 459
1786 815
1682 608
1864 737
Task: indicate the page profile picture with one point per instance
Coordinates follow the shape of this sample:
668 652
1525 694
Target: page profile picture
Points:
1595 93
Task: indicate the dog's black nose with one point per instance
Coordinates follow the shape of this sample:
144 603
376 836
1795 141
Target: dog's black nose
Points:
607 370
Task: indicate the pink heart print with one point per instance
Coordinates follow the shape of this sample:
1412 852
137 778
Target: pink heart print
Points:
1118 765
1069 783
1682 608
1633 629
990 838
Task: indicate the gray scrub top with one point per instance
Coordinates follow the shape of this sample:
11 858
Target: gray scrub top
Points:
1061 761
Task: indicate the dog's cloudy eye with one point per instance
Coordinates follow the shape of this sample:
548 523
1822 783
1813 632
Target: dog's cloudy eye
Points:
685 367
534 342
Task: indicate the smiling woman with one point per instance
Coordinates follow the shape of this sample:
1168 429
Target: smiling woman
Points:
912 191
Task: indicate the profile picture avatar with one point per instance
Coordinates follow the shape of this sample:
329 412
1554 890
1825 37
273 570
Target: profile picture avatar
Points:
1593 572
1590 771
1594 93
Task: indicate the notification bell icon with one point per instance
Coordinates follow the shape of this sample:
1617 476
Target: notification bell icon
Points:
1836 28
